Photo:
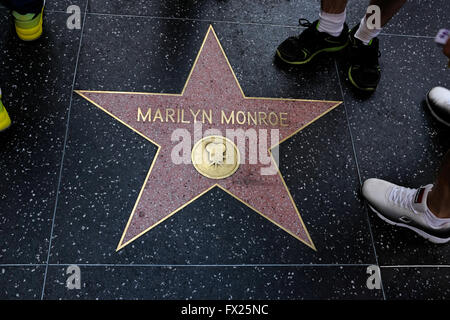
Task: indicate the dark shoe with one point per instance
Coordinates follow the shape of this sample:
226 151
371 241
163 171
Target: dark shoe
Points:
304 47
364 72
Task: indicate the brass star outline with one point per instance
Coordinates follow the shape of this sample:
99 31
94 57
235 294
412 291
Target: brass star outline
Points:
121 244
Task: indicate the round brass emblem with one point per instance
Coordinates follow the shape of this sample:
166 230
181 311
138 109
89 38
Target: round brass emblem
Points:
215 157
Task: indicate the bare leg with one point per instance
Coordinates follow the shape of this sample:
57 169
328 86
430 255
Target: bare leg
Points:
333 6
388 8
439 198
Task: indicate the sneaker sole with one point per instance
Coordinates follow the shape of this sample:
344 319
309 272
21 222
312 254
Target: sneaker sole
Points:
335 49
434 114
420 232
29 36
354 83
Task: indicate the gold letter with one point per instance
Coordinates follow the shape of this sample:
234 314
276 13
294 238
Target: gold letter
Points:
253 117
224 117
144 118
209 117
261 118
194 114
243 117
172 113
270 118
158 115
282 119
182 117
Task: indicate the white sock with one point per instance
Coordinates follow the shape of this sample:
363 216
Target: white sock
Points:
364 33
331 23
434 221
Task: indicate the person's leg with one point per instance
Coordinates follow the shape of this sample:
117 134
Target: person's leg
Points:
28 23
364 71
439 197
388 8
327 34
425 210
332 17
333 6
28 17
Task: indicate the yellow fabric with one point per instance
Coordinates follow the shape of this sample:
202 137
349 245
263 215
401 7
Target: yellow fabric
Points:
30 34
5 121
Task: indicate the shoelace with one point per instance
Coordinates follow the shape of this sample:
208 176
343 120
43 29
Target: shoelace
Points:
304 23
367 57
403 197
306 36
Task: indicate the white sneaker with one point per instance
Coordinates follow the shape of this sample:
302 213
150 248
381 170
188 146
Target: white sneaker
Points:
438 101
405 207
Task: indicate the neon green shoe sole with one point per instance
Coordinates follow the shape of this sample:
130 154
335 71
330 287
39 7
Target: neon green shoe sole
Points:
329 50
28 26
5 121
369 89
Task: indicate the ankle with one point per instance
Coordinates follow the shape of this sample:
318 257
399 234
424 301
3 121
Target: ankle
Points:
331 23
365 34
438 203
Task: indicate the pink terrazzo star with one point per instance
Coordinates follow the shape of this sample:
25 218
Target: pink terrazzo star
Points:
211 87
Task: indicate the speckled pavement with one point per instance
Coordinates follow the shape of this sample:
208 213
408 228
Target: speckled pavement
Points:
71 174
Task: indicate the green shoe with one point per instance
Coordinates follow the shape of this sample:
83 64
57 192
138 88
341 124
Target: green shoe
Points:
29 26
5 121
